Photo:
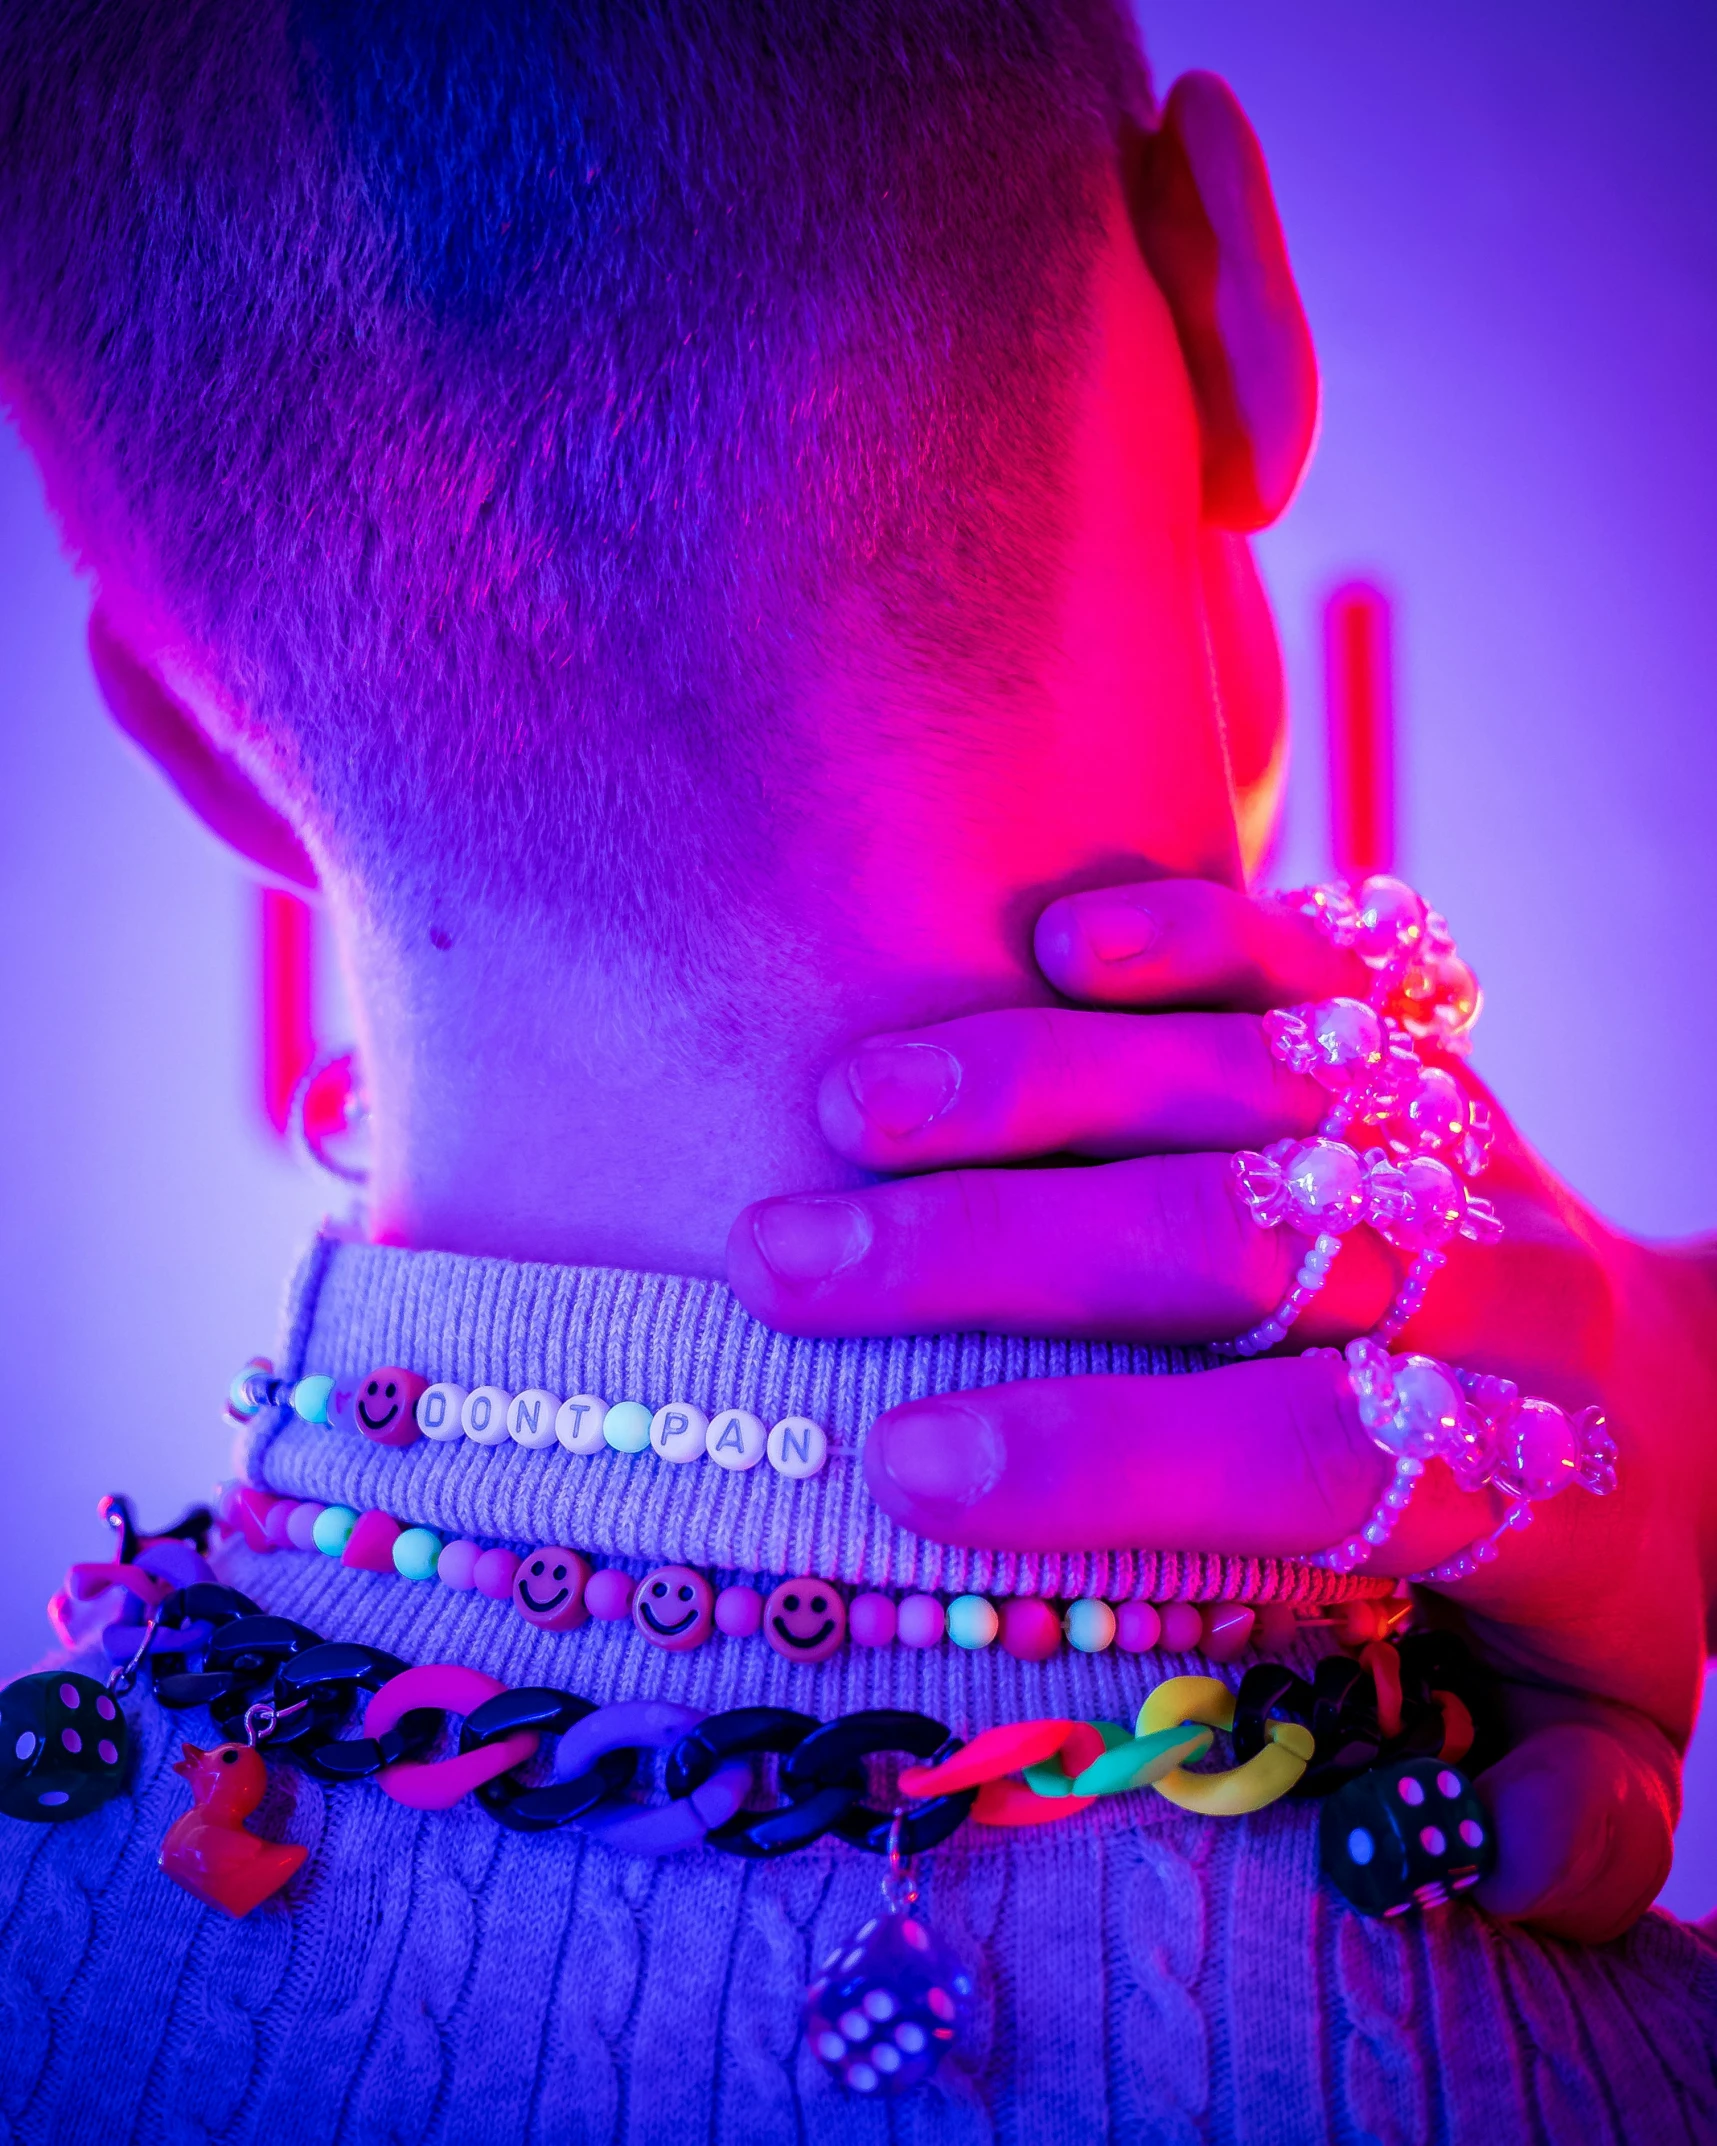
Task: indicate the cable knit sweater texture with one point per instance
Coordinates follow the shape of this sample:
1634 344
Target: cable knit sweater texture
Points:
1143 1976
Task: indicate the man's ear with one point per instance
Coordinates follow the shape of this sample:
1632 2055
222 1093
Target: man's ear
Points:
1205 220
217 790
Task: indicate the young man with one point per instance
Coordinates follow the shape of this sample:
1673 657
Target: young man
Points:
691 526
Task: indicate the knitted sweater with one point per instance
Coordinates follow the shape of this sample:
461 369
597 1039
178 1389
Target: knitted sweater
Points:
1142 1975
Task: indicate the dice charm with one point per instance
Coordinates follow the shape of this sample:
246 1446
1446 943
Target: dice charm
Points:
1405 1836
63 1746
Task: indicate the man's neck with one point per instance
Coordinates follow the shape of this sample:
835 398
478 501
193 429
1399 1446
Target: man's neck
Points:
522 1115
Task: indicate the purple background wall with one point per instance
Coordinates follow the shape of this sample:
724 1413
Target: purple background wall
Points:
1505 223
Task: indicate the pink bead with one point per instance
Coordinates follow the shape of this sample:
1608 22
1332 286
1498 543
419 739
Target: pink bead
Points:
921 1621
1278 1626
277 1523
1031 1631
873 1620
1360 1620
608 1594
250 1514
738 1611
457 1564
494 1573
1137 1627
369 1547
226 1503
1228 1630
1183 1627
301 1525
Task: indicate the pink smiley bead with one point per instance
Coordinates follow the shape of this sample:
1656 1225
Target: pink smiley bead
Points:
384 1407
805 1620
674 1608
548 1590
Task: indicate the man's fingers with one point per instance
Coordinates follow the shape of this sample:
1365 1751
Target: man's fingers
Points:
1265 1459
1042 1080
1158 1249
1585 1812
1188 942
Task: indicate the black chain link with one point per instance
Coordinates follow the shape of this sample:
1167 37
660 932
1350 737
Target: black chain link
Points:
327 1680
821 1771
511 1799
1340 1708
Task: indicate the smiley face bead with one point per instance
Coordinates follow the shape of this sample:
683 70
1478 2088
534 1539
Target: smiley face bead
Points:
548 1590
674 1608
805 1620
384 1407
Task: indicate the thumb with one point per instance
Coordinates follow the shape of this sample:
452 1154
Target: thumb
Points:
1585 1810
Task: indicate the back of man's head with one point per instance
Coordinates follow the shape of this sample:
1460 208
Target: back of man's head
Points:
517 403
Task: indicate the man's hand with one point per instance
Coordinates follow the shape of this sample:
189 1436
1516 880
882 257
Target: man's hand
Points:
1594 1614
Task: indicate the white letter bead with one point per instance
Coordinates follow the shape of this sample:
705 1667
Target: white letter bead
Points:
438 1412
579 1423
530 1419
736 1439
483 1419
797 1446
677 1432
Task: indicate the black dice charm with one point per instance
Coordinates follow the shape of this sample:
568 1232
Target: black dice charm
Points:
1405 1836
63 1746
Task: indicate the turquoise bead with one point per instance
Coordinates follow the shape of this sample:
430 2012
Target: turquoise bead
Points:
1090 1625
310 1398
416 1553
972 1621
627 1426
334 1525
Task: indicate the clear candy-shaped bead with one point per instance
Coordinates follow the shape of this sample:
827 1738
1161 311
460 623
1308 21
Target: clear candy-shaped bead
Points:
1338 1041
1546 1456
1388 921
1429 1412
886 2008
1427 1117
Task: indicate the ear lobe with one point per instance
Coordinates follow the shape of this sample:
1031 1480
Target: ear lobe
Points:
217 790
1205 221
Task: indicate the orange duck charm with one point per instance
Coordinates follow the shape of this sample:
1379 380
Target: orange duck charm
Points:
208 1851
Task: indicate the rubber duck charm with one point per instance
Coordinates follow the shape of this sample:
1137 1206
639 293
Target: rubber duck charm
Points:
208 1851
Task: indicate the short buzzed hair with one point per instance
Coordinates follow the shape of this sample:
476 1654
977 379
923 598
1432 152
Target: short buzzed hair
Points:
507 394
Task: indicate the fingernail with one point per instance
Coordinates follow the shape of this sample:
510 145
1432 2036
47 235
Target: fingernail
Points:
903 1087
810 1240
1116 930
941 1452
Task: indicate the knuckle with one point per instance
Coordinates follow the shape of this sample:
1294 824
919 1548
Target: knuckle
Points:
1247 1266
1339 1468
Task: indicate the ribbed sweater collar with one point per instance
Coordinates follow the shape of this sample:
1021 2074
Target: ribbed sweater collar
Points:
660 1338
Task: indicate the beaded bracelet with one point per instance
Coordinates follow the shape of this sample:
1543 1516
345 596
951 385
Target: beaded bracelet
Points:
393 1406
1433 1137
674 1607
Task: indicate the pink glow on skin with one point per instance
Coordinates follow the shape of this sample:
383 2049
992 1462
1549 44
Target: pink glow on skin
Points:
534 1105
